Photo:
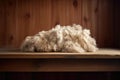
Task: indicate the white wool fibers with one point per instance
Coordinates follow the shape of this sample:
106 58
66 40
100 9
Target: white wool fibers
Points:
61 39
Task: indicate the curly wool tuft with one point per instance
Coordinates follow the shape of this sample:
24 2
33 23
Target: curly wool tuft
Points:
61 39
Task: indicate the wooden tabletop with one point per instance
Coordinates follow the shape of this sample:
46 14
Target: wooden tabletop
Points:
101 60
101 53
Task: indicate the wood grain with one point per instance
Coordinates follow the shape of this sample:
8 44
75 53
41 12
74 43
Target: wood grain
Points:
100 54
11 28
20 18
59 65
105 24
2 24
117 23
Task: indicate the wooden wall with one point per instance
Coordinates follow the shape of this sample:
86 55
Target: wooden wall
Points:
19 18
117 22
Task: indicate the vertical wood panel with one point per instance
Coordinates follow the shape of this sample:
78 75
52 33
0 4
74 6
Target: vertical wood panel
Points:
94 19
105 24
10 23
60 12
32 17
117 22
2 23
66 12
41 13
90 15
20 18
23 17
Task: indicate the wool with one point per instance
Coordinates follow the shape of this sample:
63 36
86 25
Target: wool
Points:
61 39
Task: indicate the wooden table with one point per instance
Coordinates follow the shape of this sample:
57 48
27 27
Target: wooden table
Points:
101 60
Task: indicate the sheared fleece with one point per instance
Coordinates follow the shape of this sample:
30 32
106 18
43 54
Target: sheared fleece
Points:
61 39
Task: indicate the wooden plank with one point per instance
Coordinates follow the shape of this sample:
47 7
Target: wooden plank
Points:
41 15
85 13
10 7
94 19
66 12
105 24
90 16
23 17
100 54
2 23
58 65
32 17
117 23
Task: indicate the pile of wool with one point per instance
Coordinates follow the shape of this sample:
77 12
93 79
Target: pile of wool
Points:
61 39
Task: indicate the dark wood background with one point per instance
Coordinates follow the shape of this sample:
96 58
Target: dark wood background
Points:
20 18
59 76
